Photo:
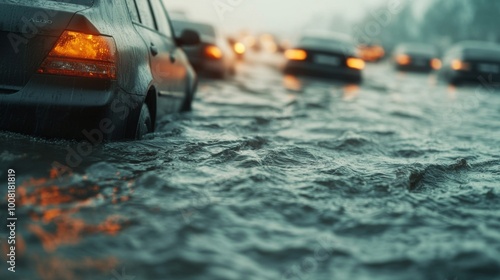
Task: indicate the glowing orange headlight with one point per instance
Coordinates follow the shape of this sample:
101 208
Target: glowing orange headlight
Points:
295 54
355 63
84 55
403 59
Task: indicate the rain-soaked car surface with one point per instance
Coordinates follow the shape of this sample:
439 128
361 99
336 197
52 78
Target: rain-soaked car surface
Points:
467 61
90 69
325 54
274 177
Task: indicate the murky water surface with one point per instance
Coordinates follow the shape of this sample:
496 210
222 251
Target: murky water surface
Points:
274 177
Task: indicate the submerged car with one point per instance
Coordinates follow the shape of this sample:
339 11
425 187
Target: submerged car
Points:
416 57
469 61
325 54
90 69
214 56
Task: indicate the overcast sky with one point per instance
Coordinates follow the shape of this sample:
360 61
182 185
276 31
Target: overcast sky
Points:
284 16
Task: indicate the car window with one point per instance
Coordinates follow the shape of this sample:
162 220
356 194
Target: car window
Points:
133 10
203 29
161 18
145 14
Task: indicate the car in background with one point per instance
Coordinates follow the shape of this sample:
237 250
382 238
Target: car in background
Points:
78 74
416 57
325 54
371 52
213 57
469 61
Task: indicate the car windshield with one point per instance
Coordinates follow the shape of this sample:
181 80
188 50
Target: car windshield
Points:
203 29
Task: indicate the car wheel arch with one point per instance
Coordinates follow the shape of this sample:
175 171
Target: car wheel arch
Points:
151 101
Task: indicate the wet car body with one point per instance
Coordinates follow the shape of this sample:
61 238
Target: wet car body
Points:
325 54
90 69
469 61
213 57
413 57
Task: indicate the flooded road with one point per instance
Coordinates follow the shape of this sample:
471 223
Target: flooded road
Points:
274 177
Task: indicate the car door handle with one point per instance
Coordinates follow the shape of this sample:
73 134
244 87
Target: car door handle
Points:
154 49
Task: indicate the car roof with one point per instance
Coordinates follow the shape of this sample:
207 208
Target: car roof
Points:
478 45
328 35
208 33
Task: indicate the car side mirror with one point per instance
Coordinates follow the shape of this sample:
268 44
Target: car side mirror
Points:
188 38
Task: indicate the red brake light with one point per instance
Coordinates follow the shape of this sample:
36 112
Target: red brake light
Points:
403 59
213 52
355 63
83 55
459 65
296 54
436 64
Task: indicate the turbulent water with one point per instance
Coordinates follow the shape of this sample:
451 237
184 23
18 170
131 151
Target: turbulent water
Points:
274 177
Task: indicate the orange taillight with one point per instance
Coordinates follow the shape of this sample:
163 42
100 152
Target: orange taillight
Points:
295 54
213 52
84 55
436 64
355 63
403 59
459 65
239 48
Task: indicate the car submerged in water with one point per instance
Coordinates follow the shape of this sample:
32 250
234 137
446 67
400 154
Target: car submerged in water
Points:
414 57
213 57
472 62
96 70
325 54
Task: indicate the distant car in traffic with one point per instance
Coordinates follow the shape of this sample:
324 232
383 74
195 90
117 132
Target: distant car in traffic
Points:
371 52
469 61
416 57
214 56
85 76
325 54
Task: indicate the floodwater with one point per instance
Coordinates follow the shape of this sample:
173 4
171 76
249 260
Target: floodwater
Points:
274 177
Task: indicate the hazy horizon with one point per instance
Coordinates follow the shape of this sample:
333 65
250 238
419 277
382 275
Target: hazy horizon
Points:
272 16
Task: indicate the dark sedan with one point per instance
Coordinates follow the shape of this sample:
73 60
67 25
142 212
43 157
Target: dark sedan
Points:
325 54
214 57
469 61
416 57
90 69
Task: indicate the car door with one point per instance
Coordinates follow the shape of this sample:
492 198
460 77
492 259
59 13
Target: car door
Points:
178 75
162 47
